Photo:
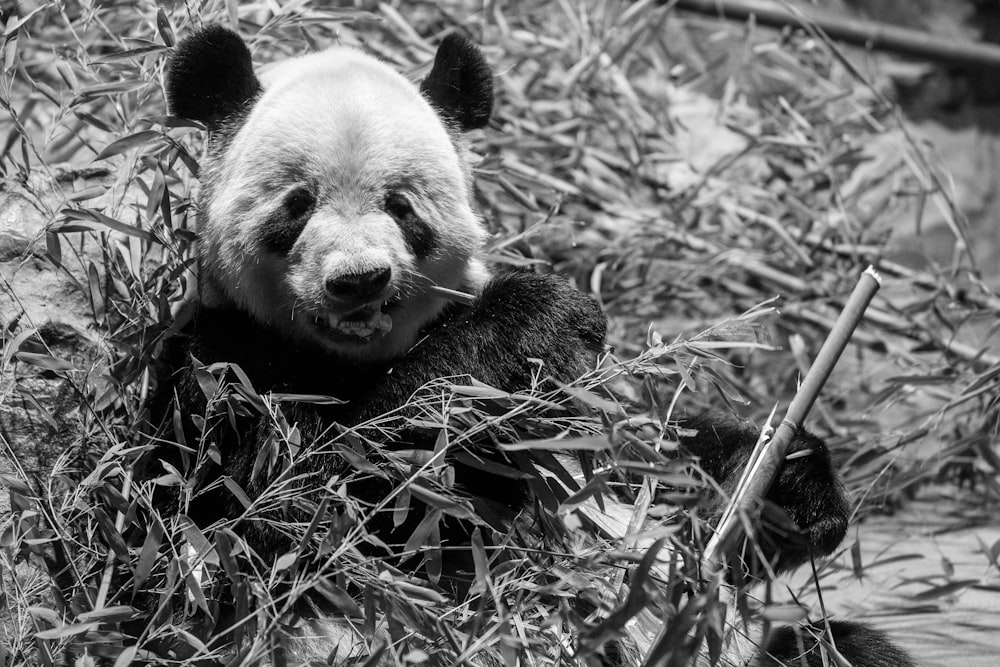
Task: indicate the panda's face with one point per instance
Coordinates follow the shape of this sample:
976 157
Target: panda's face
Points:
335 205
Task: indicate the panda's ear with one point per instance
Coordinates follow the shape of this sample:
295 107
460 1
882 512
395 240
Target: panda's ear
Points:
210 77
460 84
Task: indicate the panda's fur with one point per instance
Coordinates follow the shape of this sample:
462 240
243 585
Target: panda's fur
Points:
335 195
318 184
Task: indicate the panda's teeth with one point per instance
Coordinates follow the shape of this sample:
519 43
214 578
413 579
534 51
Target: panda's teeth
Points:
374 322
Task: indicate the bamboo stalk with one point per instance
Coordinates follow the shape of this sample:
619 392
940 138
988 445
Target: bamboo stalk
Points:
756 484
769 454
452 295
870 34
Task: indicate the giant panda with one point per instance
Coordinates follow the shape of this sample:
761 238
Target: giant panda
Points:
336 200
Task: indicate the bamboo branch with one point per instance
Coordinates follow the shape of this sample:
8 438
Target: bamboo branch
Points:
769 454
870 34
765 468
881 318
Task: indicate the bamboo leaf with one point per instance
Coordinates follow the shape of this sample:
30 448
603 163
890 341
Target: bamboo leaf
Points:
44 361
129 142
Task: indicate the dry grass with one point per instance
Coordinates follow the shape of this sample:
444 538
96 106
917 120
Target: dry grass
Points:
684 172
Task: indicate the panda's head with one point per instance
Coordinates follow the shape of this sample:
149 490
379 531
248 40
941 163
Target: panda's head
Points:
335 193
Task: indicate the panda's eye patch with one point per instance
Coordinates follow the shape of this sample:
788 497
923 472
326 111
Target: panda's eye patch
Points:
419 236
283 227
398 206
299 202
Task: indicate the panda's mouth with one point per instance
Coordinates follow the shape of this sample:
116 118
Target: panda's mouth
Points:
363 324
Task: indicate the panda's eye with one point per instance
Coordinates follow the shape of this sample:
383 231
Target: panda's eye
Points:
398 206
299 203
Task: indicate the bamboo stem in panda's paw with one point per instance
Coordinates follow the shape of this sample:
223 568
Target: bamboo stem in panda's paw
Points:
769 454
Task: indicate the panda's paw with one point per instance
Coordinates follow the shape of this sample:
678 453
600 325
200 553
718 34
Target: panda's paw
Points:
542 316
809 493
807 511
859 644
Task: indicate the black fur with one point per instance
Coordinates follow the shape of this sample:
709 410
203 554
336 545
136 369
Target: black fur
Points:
519 316
861 645
285 224
806 511
211 77
419 236
805 514
460 84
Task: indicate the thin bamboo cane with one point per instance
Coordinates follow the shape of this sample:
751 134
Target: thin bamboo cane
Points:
770 453
870 34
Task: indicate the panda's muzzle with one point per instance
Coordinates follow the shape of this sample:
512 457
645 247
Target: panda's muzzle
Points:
357 288
357 305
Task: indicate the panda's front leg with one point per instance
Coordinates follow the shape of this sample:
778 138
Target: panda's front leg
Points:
806 511
519 319
806 514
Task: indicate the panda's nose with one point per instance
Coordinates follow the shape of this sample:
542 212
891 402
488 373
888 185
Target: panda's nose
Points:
358 287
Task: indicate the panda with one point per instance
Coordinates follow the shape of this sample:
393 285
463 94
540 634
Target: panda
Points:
335 214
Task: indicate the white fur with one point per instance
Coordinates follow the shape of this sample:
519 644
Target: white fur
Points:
353 126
